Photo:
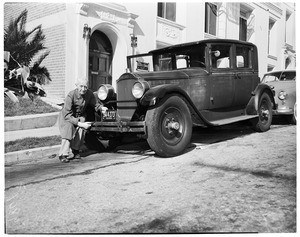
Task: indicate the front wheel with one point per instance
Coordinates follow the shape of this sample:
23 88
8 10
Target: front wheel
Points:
169 127
264 120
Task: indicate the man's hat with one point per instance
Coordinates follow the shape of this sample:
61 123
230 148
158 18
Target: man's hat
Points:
6 56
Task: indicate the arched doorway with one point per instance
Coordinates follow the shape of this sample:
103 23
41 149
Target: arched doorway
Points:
100 58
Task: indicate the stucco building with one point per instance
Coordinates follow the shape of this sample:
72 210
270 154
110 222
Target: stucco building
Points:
93 39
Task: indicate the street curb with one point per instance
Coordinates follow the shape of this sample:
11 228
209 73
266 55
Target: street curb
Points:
30 121
35 154
31 154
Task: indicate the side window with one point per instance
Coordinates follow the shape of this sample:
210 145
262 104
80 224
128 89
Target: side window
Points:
182 61
163 63
243 57
197 58
220 56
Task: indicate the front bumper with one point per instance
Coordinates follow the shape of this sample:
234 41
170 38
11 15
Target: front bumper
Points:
283 111
119 126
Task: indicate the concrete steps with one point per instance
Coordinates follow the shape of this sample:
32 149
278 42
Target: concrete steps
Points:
38 125
28 122
38 132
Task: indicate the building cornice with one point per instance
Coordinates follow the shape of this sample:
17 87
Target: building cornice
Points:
170 23
273 7
270 7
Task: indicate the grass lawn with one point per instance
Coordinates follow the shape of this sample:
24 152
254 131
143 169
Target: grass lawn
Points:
26 107
32 142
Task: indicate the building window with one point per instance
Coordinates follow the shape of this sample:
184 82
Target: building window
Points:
289 30
270 68
210 18
243 29
272 37
167 10
287 63
246 22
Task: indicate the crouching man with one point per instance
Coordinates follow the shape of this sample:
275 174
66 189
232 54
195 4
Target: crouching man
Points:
79 104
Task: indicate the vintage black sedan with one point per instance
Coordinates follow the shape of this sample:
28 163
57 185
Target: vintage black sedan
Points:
166 92
284 85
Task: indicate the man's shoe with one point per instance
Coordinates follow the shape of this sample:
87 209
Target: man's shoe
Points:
64 159
76 154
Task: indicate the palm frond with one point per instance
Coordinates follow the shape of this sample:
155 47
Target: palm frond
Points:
25 45
39 60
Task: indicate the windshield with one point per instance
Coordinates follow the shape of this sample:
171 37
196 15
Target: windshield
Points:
280 76
185 57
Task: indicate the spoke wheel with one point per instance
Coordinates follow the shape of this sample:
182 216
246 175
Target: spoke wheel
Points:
293 118
169 127
264 120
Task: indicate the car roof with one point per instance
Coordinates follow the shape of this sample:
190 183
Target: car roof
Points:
177 46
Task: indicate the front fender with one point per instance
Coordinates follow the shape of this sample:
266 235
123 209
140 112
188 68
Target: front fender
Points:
252 106
154 94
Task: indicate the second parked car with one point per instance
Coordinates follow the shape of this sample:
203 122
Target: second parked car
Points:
284 85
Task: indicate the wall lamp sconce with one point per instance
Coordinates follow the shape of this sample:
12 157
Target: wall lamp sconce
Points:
133 41
86 31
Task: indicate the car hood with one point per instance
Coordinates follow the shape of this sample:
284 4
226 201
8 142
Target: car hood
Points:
283 85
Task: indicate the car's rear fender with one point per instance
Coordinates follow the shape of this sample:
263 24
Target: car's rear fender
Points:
252 106
152 97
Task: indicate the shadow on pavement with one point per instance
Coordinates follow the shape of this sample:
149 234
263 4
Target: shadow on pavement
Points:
200 137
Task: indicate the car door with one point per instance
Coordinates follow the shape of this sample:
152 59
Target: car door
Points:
246 77
222 76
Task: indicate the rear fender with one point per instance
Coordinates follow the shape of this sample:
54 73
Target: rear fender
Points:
252 106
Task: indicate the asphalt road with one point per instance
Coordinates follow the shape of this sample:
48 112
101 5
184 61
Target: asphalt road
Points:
230 179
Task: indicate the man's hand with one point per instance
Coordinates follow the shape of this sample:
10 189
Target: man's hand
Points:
103 110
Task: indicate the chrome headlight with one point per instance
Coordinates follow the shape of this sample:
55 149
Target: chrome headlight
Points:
105 92
139 88
282 95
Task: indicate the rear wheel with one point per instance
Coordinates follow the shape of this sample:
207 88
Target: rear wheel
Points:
264 120
293 118
169 127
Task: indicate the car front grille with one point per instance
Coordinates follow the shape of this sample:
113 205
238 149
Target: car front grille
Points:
126 103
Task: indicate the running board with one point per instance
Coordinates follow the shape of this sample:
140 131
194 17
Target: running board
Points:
232 120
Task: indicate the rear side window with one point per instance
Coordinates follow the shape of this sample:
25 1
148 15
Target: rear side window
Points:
243 57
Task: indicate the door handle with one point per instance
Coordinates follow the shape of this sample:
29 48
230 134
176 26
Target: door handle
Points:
237 76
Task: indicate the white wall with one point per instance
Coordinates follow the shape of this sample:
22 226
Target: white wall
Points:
146 20
195 21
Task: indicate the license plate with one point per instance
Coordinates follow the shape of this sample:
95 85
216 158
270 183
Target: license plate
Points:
109 115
